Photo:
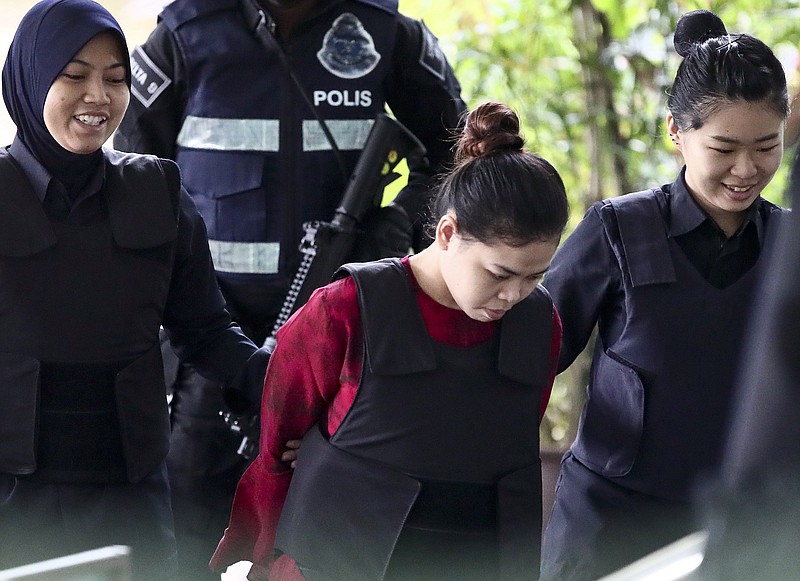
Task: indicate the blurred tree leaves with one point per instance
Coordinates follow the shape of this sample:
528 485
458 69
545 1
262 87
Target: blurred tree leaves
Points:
589 79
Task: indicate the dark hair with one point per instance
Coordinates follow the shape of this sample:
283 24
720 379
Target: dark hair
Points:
720 68
496 189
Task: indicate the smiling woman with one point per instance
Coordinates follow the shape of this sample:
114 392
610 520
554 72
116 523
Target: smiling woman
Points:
93 243
86 102
135 16
659 273
737 151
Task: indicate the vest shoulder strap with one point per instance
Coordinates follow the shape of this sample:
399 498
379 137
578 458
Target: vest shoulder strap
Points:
386 301
143 195
526 335
640 237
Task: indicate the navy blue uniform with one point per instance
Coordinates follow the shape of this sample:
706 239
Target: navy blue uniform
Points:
85 284
258 165
664 286
252 154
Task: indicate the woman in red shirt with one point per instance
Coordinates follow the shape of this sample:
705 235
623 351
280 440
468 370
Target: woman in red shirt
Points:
418 385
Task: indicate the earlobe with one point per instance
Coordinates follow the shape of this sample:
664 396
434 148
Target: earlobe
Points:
672 128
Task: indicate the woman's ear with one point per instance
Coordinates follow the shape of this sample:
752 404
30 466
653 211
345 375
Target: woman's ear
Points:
672 129
445 230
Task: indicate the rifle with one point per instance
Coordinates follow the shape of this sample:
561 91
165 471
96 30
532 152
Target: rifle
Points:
325 246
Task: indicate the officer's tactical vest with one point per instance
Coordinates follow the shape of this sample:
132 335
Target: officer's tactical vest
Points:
658 398
81 377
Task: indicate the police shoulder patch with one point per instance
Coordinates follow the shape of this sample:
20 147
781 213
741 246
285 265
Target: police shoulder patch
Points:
431 56
147 80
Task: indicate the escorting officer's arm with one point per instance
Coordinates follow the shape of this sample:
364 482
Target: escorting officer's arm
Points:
583 272
425 96
153 119
199 327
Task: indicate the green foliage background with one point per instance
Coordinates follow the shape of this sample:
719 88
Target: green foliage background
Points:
589 80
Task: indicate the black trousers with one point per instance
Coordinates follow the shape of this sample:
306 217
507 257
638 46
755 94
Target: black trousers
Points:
204 469
40 521
598 526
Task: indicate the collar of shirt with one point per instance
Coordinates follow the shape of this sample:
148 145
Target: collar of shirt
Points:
685 214
43 182
35 171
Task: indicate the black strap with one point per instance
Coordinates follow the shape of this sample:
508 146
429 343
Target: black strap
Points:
644 238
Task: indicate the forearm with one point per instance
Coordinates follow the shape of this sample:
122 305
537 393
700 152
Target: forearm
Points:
197 323
581 277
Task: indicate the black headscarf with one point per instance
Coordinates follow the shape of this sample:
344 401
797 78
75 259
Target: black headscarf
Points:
47 39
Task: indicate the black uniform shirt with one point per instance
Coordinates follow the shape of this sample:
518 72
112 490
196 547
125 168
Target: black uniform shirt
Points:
720 260
86 208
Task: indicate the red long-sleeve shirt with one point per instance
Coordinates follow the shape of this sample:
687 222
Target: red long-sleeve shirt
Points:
313 377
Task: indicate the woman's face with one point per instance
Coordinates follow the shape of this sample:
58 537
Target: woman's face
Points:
86 102
486 280
731 158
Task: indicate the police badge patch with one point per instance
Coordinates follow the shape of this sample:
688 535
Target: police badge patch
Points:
148 81
431 56
348 50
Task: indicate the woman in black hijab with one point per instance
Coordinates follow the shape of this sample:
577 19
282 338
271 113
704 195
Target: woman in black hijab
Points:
98 249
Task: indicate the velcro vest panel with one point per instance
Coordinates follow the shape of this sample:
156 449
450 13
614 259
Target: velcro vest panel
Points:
87 297
658 397
248 138
478 406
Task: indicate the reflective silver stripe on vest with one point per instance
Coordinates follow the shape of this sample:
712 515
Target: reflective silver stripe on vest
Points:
245 257
229 134
264 134
348 133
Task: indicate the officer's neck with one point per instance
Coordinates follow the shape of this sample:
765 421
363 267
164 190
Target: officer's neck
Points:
288 16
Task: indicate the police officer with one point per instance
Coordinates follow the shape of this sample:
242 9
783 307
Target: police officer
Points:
98 250
668 276
265 107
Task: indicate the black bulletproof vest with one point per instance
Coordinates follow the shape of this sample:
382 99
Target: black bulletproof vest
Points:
427 416
659 396
80 307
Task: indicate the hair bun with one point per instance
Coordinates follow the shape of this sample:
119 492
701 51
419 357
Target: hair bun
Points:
490 128
695 27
